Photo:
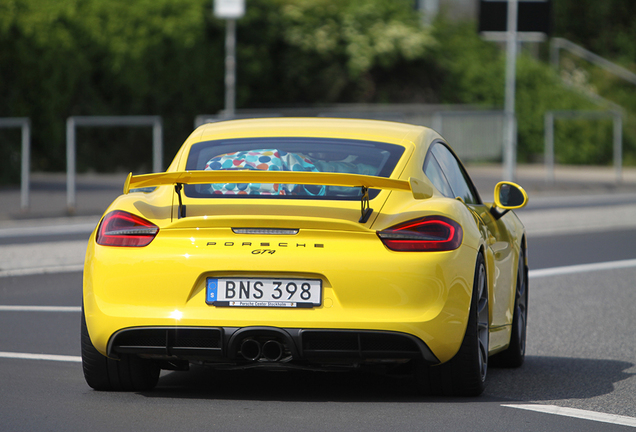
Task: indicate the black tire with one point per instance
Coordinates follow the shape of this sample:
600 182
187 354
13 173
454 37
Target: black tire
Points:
464 374
130 373
515 354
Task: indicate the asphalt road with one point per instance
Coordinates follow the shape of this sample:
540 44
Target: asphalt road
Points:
581 355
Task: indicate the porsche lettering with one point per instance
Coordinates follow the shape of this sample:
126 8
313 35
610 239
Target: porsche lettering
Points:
281 244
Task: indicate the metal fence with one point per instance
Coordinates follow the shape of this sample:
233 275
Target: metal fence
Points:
25 124
107 121
475 135
549 118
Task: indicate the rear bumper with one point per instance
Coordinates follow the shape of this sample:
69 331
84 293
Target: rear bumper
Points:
366 288
224 344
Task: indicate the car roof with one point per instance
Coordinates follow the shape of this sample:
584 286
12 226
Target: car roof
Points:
371 130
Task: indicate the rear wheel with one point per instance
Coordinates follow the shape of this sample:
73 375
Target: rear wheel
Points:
515 354
464 374
129 373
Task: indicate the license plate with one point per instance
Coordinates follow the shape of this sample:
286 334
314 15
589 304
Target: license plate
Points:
264 292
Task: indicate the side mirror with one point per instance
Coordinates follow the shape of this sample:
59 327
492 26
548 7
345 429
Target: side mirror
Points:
510 196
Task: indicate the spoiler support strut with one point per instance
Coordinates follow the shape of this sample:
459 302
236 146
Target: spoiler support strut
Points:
365 210
181 212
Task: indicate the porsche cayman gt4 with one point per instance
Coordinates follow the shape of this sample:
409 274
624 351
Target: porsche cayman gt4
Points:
319 244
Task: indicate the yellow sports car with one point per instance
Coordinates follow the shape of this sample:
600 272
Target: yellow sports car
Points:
316 244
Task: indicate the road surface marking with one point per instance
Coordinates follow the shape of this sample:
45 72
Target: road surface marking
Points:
582 268
11 308
577 413
53 357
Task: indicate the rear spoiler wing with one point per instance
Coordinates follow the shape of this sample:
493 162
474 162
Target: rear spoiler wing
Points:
421 189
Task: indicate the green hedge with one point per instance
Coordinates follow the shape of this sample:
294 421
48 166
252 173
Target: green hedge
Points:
166 57
474 73
108 57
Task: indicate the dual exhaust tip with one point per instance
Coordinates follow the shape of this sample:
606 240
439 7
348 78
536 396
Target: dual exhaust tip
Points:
253 350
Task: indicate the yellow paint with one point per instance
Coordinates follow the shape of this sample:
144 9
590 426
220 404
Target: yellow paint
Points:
365 285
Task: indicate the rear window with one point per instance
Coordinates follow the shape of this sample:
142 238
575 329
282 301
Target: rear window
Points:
290 154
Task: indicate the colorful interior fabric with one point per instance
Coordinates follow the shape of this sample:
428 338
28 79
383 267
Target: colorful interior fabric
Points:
266 160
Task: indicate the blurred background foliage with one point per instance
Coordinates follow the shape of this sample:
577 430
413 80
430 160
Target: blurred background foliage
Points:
166 57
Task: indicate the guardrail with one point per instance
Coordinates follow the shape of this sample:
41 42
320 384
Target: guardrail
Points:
25 124
556 44
594 115
107 121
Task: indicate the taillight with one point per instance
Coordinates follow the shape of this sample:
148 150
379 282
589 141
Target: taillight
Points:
431 233
120 228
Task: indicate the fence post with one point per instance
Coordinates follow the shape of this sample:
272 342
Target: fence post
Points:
70 165
26 165
548 151
618 146
157 142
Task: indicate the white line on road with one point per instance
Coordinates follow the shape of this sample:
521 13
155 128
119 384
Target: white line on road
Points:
11 308
577 413
582 268
53 357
